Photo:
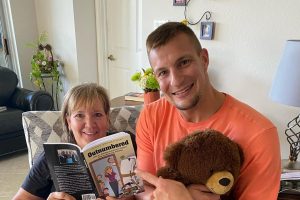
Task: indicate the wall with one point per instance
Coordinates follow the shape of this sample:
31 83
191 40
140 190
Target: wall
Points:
57 19
71 29
72 32
25 29
85 29
249 39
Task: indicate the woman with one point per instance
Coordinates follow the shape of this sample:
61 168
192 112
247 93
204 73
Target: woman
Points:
85 114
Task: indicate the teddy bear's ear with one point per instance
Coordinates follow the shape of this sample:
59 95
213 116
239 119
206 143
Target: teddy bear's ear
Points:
172 154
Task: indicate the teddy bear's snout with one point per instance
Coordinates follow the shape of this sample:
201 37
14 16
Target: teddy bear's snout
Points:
220 182
224 181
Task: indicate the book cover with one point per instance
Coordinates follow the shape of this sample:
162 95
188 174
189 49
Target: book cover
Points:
134 96
104 167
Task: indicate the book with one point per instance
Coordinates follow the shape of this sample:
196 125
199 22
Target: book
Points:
3 108
104 167
134 96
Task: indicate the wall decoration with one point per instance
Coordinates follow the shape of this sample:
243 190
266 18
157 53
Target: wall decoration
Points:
179 2
207 30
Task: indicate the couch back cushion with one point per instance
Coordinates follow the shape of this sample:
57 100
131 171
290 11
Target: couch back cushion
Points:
8 83
47 126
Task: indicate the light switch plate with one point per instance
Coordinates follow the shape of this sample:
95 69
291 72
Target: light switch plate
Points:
157 23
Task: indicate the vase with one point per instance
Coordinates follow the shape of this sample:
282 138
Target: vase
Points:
150 97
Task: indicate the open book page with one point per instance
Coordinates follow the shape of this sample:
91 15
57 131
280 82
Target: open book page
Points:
68 170
112 161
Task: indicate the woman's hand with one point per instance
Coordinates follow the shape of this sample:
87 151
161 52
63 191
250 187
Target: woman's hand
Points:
165 189
60 196
126 198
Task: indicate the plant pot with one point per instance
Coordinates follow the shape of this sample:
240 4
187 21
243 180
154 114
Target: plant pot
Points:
150 97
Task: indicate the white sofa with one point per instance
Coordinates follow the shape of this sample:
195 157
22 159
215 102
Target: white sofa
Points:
46 126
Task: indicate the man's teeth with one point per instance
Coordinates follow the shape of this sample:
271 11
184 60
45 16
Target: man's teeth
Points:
182 91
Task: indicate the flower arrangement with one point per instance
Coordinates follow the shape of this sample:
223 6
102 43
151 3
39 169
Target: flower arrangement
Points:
42 62
146 80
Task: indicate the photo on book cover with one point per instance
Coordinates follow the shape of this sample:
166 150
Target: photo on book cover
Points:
67 156
114 179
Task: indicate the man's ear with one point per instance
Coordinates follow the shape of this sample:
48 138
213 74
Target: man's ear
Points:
204 57
172 154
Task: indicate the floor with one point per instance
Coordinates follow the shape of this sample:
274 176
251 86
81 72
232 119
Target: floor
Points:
13 169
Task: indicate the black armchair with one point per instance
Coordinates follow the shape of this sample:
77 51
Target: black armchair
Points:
16 101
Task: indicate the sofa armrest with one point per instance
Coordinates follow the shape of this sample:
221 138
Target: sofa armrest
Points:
31 100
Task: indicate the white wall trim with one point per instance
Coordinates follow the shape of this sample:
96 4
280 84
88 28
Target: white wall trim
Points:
101 31
12 40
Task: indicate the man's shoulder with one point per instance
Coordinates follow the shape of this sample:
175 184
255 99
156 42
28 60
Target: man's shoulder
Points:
161 107
244 111
160 104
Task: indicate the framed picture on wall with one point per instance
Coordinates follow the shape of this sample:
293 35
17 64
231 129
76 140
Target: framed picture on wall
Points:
179 2
207 30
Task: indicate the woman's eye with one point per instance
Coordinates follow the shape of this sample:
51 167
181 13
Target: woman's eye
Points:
79 116
98 114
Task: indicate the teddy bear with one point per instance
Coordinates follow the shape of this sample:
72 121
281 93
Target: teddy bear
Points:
204 157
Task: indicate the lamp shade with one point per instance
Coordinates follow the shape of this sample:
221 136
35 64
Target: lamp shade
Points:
286 83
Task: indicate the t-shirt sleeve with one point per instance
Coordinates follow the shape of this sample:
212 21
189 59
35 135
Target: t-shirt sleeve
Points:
145 157
38 181
260 175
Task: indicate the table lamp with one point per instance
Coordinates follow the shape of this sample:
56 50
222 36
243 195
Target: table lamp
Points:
286 90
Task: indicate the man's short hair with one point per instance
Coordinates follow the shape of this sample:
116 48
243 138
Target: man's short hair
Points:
164 33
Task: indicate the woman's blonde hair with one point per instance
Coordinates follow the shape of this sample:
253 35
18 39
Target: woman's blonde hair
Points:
83 95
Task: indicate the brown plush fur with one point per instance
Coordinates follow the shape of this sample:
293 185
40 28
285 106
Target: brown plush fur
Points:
196 157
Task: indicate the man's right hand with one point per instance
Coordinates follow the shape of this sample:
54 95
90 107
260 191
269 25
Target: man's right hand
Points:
200 192
166 189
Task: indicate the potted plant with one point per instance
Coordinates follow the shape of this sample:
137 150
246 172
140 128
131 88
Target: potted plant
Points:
43 63
147 81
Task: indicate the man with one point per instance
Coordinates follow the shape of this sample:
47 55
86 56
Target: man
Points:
191 103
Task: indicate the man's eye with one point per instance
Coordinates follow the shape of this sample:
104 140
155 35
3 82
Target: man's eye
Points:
161 74
185 62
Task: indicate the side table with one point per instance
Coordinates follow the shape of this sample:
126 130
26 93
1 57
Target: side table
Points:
289 190
53 83
120 101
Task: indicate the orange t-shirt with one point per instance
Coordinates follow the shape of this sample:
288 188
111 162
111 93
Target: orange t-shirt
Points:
161 124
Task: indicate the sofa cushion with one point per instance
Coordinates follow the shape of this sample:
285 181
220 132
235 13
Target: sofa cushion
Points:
11 123
41 127
8 83
46 126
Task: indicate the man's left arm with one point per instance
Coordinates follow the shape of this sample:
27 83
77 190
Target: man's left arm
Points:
260 174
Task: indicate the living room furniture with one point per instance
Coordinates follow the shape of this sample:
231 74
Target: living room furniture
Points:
15 101
46 126
285 90
120 101
289 190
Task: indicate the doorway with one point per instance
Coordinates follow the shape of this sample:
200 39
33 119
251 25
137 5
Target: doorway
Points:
119 27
